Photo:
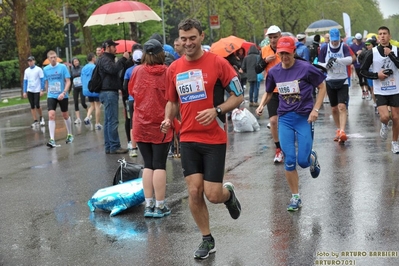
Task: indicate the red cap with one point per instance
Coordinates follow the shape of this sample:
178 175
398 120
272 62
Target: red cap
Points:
286 44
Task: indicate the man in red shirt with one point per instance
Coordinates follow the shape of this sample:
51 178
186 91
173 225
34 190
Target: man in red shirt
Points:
195 86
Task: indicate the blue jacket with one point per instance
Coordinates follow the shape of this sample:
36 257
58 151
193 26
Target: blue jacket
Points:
302 51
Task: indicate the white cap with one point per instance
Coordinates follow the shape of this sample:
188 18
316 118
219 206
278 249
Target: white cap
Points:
358 36
273 29
137 54
301 36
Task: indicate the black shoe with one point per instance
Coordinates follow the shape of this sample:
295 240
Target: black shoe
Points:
233 204
119 151
206 247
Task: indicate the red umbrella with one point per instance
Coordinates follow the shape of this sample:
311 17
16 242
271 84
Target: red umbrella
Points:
120 12
246 45
124 45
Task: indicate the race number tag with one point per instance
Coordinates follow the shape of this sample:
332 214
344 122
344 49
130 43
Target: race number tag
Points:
290 87
190 86
55 87
388 84
77 82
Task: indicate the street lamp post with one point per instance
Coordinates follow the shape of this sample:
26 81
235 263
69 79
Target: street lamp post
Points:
163 23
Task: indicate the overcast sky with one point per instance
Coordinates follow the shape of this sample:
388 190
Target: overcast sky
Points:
389 7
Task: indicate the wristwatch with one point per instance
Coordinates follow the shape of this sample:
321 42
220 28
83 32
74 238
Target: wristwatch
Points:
218 110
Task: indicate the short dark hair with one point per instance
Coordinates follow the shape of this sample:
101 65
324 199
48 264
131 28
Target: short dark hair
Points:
190 23
90 57
384 28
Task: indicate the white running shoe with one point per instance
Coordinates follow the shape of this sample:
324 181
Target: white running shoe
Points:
133 153
99 127
395 147
384 131
42 123
86 121
129 145
35 124
78 121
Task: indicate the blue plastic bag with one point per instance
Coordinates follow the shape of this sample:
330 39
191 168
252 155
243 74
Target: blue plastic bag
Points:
119 197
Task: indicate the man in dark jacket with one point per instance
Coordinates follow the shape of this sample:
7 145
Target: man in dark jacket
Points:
109 95
248 67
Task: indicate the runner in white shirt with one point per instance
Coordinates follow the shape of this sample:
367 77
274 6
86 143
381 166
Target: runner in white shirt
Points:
33 89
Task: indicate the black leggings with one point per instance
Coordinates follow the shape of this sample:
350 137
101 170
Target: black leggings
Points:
154 155
76 93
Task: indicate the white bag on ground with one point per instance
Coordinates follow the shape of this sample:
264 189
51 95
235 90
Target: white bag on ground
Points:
244 121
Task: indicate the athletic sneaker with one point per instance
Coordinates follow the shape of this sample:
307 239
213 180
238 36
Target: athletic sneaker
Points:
395 147
51 144
268 125
86 121
35 123
314 165
133 152
295 204
390 124
364 94
69 139
337 132
148 211
98 126
161 212
42 123
342 137
129 145
279 157
78 121
233 204
384 131
206 247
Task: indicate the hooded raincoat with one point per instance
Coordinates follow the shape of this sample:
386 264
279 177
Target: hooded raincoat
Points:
148 87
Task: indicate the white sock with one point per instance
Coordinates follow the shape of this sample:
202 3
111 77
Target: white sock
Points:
68 125
149 202
159 203
51 128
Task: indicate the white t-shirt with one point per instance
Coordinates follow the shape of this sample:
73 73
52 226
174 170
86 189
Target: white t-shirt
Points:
33 76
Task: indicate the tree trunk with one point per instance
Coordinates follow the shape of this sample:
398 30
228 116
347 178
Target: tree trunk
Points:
22 36
87 46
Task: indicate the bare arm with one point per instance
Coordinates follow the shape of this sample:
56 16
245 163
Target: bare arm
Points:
265 100
205 117
171 110
319 101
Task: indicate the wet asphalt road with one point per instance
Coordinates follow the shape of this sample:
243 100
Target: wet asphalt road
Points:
348 213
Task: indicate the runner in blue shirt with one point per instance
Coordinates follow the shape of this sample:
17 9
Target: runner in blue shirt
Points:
57 83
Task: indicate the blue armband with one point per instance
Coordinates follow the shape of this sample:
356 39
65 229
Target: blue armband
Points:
235 86
25 85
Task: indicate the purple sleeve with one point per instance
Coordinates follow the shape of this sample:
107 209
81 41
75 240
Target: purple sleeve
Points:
270 83
315 76
346 51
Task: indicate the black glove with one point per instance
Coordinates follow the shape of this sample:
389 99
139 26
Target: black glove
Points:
331 62
387 72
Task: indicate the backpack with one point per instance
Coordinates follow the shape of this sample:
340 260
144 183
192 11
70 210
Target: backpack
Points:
313 53
96 81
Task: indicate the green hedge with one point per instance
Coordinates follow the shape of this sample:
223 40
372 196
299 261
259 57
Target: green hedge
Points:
9 72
